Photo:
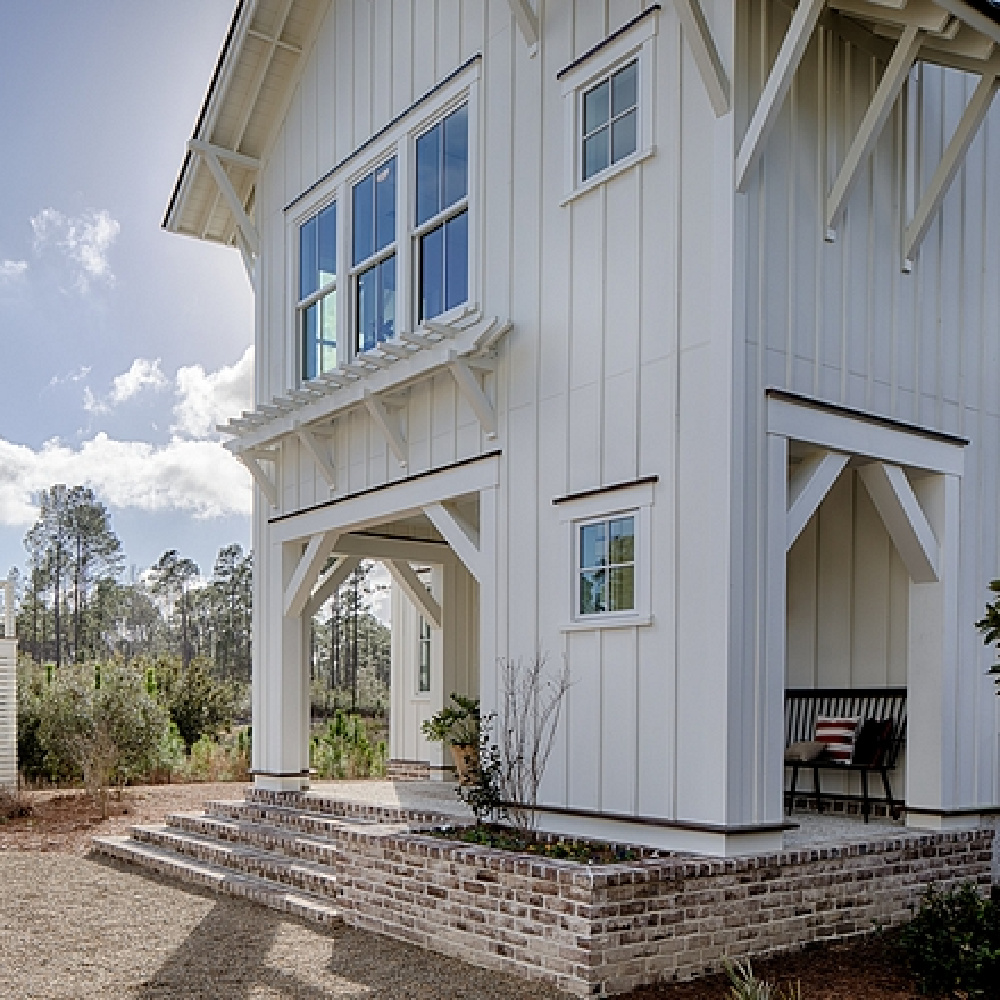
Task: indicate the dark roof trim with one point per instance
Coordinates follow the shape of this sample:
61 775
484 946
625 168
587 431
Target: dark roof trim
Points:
989 8
606 41
868 417
386 486
385 128
613 488
670 824
219 63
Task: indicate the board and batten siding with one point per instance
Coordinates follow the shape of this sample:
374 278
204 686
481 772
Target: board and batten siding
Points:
8 713
842 322
621 304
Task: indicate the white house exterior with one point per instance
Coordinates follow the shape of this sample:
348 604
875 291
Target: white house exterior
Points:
664 336
8 688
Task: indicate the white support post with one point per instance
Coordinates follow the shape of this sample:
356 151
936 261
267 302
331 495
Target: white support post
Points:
527 23
379 412
954 156
775 90
469 387
249 260
210 156
459 536
267 487
706 55
811 483
903 57
319 453
299 589
402 572
330 584
904 519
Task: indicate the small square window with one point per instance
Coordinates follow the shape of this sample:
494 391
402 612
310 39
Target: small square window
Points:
610 116
606 566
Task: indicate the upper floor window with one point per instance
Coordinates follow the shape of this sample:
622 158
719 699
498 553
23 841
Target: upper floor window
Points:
610 120
374 255
317 305
442 214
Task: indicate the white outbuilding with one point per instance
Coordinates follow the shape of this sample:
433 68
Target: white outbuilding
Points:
659 337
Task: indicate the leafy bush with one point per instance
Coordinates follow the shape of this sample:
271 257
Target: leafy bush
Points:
30 691
344 750
457 724
953 943
198 704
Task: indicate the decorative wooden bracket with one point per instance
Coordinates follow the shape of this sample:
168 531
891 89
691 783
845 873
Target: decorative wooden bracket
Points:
810 484
527 23
300 587
268 487
320 455
904 519
954 156
461 536
896 73
706 55
469 386
410 583
210 155
776 89
330 584
379 412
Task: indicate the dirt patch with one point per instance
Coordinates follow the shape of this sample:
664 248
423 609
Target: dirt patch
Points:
66 820
872 969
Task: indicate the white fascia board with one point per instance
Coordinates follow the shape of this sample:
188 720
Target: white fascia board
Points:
857 436
400 499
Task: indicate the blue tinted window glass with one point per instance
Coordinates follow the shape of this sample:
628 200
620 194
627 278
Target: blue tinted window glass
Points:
623 94
307 259
456 156
596 107
456 255
328 332
385 205
367 308
327 238
310 333
432 274
428 175
363 211
593 545
596 155
387 297
623 137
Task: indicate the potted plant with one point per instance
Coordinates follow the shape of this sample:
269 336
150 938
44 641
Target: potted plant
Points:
458 725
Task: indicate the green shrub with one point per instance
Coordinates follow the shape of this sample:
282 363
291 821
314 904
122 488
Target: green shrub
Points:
344 750
953 943
746 986
198 704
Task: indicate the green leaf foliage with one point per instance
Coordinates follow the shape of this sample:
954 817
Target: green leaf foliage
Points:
989 626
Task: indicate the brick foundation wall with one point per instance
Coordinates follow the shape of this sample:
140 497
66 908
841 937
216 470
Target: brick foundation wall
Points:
610 928
408 770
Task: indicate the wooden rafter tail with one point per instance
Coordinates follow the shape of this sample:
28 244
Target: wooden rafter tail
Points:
706 54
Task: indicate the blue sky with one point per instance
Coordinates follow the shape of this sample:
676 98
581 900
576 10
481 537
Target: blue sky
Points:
121 345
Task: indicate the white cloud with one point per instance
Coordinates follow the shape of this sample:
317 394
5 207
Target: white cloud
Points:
207 399
126 386
11 269
85 240
198 477
78 376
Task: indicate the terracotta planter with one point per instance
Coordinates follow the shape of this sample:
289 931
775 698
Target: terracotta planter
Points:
466 758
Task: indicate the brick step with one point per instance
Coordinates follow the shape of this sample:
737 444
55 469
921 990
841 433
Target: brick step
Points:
221 879
308 876
329 827
328 805
261 836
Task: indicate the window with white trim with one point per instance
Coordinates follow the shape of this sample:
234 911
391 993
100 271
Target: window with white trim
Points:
610 120
373 255
316 310
606 566
424 656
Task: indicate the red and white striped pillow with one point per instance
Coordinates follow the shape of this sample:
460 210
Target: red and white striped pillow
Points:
838 735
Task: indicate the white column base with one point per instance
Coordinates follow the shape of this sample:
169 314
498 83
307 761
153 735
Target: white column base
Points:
273 783
942 822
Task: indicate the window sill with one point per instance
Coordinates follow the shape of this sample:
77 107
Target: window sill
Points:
606 175
625 621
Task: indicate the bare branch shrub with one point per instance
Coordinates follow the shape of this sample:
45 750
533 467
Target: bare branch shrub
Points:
530 706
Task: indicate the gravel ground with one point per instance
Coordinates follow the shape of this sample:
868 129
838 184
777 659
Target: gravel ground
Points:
77 927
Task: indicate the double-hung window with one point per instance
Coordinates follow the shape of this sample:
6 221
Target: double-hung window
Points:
317 305
373 243
442 215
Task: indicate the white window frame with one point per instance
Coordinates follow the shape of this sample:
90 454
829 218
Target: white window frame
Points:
637 44
629 501
399 140
421 622
301 305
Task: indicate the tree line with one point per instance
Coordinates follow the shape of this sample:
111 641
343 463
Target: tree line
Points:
75 606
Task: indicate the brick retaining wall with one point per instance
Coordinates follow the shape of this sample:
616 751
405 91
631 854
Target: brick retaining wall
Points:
609 928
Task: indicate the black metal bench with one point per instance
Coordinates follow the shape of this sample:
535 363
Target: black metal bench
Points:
803 705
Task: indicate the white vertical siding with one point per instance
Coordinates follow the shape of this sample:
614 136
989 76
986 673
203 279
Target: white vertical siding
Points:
8 713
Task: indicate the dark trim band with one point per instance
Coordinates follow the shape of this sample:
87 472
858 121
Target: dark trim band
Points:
386 486
966 811
607 41
772 392
614 487
279 774
384 129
